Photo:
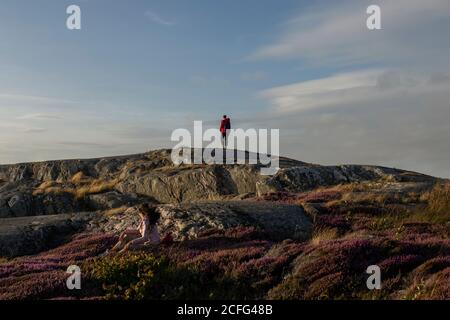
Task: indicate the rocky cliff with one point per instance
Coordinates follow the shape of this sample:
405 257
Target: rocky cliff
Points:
51 187
98 186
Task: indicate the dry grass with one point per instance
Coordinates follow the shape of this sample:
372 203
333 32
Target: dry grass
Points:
352 187
360 234
96 186
46 188
78 191
79 177
430 217
365 198
115 211
47 184
437 208
324 235
439 199
381 199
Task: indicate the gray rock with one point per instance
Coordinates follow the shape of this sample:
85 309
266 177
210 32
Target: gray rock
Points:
20 204
312 210
111 200
152 175
29 235
181 184
187 221
56 204
303 178
5 212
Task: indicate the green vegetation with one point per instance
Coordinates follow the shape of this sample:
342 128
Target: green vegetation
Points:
407 235
146 276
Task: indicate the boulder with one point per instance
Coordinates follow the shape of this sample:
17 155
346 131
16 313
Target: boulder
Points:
30 235
24 203
181 184
111 200
20 204
279 221
190 220
304 178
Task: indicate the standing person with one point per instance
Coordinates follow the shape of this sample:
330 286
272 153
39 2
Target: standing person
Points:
225 125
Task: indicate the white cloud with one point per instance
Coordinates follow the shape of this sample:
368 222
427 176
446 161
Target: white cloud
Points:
20 100
384 117
328 91
34 130
349 88
336 33
37 116
393 114
156 18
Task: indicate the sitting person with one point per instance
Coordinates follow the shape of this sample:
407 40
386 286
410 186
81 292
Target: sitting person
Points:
146 233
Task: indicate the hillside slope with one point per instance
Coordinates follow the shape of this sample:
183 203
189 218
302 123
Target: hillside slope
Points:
66 186
308 232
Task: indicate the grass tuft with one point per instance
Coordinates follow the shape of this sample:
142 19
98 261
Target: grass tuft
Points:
79 178
115 211
324 235
439 199
78 191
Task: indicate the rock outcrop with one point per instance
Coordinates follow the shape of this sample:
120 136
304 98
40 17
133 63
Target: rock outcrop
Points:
189 220
307 232
30 235
279 222
154 176
192 198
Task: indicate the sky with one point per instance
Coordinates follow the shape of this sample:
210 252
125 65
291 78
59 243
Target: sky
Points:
137 70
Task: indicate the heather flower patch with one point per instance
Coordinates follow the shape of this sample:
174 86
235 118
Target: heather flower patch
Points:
330 221
242 263
40 285
336 270
47 270
401 263
431 266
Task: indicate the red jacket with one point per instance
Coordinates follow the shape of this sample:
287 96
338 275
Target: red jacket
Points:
225 124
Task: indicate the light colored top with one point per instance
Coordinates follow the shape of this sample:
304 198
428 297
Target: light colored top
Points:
148 232
144 228
154 235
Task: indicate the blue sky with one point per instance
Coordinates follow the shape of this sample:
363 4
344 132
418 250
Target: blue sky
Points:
123 56
338 92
